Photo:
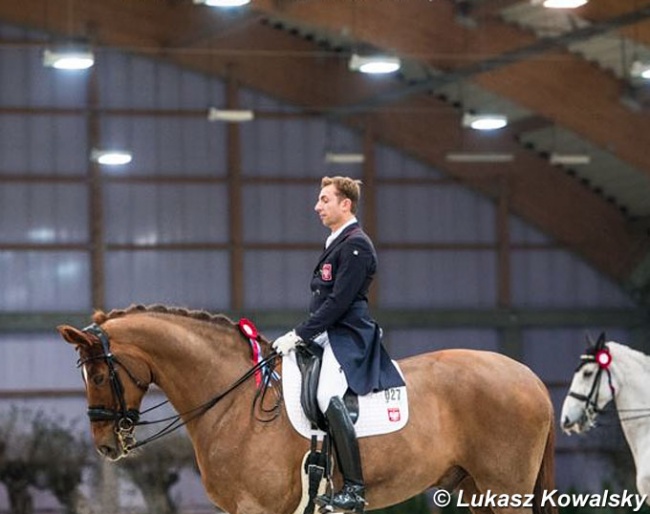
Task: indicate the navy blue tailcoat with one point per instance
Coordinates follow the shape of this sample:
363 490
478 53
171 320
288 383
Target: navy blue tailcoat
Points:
339 305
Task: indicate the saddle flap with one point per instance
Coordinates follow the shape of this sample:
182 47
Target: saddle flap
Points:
309 359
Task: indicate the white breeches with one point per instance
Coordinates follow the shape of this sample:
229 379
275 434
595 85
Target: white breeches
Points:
332 381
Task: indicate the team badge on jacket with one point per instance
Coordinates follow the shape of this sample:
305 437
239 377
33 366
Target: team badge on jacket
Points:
326 272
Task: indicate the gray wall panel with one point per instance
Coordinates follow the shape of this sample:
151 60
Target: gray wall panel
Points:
38 362
444 214
43 213
44 281
393 164
556 278
152 214
195 279
294 148
278 280
418 279
43 144
138 82
166 145
282 214
406 343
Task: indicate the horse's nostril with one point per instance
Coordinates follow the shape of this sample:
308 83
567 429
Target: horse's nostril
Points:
107 451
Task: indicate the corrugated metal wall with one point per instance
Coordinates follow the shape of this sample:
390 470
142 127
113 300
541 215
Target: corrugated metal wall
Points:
166 221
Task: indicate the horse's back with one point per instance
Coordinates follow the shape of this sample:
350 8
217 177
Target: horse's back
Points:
476 387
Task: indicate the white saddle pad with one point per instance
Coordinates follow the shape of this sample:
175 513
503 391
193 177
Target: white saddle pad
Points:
379 413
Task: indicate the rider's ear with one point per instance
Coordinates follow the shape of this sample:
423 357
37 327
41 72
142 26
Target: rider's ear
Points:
74 336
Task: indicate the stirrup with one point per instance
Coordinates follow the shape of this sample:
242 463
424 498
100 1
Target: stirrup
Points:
348 499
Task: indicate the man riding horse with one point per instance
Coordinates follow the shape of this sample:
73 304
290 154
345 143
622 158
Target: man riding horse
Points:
339 322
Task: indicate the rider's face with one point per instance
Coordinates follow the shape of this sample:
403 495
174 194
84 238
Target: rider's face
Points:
333 210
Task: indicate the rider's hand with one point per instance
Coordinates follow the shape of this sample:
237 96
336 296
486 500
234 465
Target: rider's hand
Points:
284 344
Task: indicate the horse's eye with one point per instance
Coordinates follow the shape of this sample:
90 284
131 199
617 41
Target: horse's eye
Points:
587 373
98 379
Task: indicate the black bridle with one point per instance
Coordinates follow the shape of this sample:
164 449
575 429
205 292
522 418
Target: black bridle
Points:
126 419
591 398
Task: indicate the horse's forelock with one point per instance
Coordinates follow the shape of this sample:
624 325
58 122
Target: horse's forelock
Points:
99 317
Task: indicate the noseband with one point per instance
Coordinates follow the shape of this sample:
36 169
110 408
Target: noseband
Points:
125 419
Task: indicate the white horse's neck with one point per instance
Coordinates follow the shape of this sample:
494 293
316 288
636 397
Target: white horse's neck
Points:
631 376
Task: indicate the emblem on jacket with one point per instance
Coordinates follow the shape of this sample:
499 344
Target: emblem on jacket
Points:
326 272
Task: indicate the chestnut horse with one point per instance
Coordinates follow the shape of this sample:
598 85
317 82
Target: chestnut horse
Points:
479 421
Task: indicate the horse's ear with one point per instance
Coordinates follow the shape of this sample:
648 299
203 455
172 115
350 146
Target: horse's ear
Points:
600 343
590 341
74 336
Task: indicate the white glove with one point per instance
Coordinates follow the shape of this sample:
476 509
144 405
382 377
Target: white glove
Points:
284 344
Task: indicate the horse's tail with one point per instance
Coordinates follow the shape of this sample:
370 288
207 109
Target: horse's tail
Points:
546 475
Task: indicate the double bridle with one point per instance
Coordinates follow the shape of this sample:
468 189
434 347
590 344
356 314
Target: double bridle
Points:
591 398
126 419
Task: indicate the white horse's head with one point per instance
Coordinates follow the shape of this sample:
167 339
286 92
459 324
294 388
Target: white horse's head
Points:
591 389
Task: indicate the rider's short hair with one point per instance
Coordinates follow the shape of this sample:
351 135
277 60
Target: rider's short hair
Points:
346 187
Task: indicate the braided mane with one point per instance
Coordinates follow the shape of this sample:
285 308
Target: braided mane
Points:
100 316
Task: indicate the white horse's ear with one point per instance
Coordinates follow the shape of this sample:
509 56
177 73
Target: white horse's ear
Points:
600 343
74 336
590 341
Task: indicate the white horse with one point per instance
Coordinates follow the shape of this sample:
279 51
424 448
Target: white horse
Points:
611 371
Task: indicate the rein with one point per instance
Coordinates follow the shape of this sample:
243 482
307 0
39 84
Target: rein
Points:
127 419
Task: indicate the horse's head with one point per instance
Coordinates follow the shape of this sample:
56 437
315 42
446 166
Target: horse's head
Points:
588 393
114 388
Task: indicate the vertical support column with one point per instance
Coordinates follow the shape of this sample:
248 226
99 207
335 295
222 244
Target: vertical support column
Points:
503 245
369 200
235 214
510 337
95 200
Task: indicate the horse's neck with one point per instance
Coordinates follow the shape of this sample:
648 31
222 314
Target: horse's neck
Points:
631 371
190 365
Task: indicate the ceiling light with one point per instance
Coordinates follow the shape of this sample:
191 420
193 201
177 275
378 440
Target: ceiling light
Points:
344 158
230 115
377 64
640 69
479 157
570 159
69 57
484 121
222 3
563 4
111 157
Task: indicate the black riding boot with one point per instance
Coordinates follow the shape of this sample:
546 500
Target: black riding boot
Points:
350 497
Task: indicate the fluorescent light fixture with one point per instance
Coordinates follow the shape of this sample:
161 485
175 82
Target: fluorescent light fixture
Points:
484 121
570 159
563 4
68 58
471 157
222 3
111 157
344 158
230 115
377 64
640 69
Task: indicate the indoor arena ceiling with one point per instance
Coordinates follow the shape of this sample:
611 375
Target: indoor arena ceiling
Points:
561 76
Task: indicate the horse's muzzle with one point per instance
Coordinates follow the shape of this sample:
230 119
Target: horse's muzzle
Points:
110 452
